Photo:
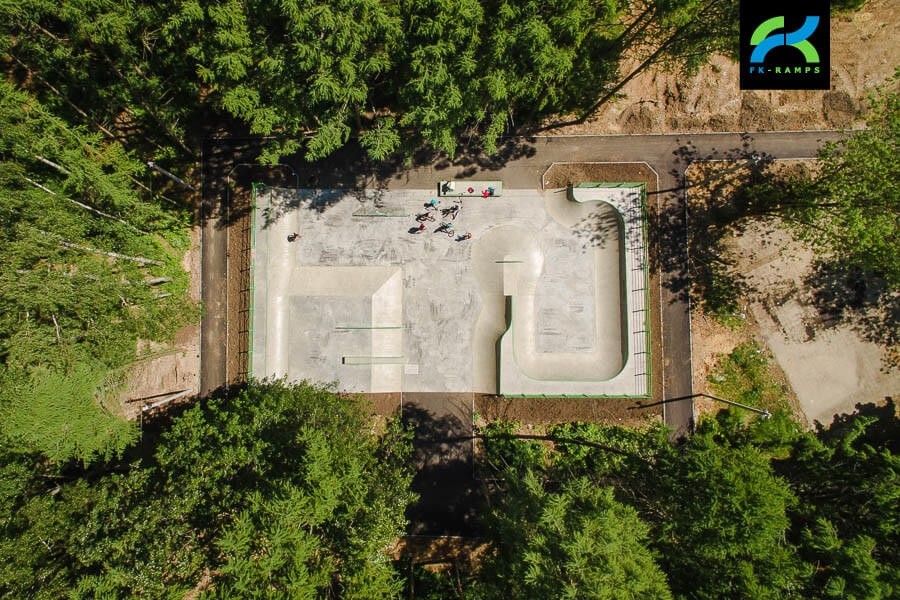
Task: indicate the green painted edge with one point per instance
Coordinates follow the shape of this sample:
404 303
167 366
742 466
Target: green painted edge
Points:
388 215
604 184
647 319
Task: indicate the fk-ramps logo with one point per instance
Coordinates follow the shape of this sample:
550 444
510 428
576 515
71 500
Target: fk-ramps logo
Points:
785 45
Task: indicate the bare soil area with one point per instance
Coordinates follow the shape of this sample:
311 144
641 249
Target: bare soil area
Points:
238 256
826 362
864 53
164 369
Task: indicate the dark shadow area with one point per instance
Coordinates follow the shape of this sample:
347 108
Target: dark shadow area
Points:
153 424
350 166
884 432
230 168
315 200
668 239
470 158
846 295
449 496
713 205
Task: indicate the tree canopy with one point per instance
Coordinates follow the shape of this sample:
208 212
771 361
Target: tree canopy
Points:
398 75
857 216
89 264
278 491
755 510
575 541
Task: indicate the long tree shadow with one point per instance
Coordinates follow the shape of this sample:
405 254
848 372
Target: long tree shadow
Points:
449 496
470 159
467 161
231 168
606 225
283 201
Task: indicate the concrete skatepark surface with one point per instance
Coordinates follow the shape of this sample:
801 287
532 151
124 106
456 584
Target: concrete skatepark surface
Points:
363 300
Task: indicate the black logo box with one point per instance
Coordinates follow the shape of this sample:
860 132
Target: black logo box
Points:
785 67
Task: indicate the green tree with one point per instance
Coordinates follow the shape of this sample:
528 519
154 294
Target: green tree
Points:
575 541
482 67
848 515
720 517
855 215
104 65
88 266
846 569
301 70
276 491
63 417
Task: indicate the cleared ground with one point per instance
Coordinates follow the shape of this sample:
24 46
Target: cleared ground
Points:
362 298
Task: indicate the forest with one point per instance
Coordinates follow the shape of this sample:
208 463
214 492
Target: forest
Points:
282 491
274 490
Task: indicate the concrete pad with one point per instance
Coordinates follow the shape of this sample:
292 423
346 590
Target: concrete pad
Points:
831 372
362 299
830 368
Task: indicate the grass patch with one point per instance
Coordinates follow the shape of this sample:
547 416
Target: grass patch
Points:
745 376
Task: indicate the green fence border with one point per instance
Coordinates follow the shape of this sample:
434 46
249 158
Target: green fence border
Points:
396 215
647 319
253 195
622 184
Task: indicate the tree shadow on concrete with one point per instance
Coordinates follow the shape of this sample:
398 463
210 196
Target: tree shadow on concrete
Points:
603 226
230 168
449 496
283 201
846 295
349 167
470 159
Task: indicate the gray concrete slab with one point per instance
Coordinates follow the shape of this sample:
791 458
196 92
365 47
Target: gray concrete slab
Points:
362 299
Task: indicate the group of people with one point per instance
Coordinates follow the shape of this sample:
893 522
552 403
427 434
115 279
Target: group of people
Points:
448 215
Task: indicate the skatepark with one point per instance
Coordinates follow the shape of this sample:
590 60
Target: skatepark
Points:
526 293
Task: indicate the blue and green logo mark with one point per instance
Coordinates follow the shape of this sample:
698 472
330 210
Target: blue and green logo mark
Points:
785 50
765 41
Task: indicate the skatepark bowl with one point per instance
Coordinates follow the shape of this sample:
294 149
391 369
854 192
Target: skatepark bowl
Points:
547 297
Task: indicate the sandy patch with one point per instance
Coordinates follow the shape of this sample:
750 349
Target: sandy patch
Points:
864 53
